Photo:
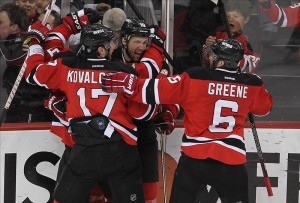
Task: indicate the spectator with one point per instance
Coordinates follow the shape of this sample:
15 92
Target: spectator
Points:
30 8
216 103
238 14
102 128
41 5
27 104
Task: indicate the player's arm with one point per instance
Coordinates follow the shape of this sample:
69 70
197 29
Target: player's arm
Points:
169 90
262 103
283 17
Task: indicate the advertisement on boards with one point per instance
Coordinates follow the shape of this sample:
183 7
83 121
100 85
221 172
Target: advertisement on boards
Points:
30 158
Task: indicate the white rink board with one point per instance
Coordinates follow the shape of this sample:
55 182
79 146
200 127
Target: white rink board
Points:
31 143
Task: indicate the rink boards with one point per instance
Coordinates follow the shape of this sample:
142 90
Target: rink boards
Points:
29 162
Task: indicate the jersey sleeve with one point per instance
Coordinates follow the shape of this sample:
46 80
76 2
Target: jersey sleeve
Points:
39 73
141 111
56 41
262 102
283 17
167 90
150 64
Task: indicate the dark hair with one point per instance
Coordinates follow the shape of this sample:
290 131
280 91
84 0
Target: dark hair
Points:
242 6
57 18
16 15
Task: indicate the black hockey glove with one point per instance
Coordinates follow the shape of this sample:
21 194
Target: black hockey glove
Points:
78 20
157 36
37 33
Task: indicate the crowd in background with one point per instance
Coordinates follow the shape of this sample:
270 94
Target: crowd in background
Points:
250 23
192 30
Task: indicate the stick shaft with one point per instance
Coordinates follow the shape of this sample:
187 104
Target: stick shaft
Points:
260 155
21 73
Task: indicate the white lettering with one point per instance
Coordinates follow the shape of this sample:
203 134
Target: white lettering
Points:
84 77
227 90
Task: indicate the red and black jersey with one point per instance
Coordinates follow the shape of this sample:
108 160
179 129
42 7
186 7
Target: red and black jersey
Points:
215 103
283 17
56 41
79 79
251 58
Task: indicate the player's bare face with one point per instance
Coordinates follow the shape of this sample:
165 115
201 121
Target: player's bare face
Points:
136 47
236 21
50 19
6 26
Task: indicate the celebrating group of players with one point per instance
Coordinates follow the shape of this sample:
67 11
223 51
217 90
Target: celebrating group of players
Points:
105 97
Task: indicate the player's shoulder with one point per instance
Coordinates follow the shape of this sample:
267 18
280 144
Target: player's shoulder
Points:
122 67
251 79
199 72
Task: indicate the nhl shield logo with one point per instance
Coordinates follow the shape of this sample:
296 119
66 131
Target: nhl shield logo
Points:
133 197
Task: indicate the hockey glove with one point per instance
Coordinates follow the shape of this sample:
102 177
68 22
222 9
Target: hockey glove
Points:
78 20
37 33
119 82
56 102
157 36
164 122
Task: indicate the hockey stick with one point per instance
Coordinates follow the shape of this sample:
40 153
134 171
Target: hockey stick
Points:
139 15
163 143
260 155
21 73
250 116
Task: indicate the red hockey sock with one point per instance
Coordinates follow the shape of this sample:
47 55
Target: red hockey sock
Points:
96 195
150 192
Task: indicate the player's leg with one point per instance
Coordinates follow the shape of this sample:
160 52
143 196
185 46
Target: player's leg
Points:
186 185
126 181
148 148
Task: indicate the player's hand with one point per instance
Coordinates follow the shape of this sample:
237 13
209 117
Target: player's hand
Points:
56 102
80 19
164 122
210 40
119 82
37 33
157 36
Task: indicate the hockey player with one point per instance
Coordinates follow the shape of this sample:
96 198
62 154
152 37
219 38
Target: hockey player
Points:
238 14
283 17
101 123
54 47
216 103
147 58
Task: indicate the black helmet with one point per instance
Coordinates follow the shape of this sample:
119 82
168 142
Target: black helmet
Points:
92 37
230 50
134 26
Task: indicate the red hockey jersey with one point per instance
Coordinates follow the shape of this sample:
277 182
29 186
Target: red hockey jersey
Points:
215 103
283 17
80 80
